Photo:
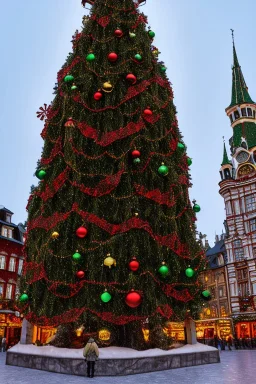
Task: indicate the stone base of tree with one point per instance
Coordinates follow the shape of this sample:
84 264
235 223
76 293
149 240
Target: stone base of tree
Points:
179 358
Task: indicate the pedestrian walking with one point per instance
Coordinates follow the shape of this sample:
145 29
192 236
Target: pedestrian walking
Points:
91 354
230 342
3 345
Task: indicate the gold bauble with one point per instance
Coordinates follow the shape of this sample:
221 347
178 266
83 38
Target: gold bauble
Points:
104 334
55 235
107 87
109 261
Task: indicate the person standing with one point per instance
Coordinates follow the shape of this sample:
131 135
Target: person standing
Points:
230 342
91 354
4 344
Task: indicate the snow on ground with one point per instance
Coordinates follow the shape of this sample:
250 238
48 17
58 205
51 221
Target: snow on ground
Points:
106 353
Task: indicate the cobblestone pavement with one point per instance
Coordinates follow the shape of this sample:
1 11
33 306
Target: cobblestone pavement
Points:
235 367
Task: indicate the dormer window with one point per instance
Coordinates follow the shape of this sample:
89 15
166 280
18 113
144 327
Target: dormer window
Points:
237 115
243 110
249 111
8 218
7 232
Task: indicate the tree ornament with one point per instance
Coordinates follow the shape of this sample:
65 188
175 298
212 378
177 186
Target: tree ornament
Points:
107 87
97 95
163 68
135 153
196 208
118 32
109 261
134 264
132 35
40 174
180 146
138 57
133 299
81 232
163 170
112 57
23 298
131 78
77 256
90 57
206 295
74 87
148 111
80 274
55 235
151 34
189 161
105 296
68 78
69 123
155 52
189 272
163 270
136 161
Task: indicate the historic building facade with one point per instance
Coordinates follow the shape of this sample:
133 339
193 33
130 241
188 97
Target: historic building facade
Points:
11 261
238 188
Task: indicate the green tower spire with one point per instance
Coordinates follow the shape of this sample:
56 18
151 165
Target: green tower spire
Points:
240 92
225 160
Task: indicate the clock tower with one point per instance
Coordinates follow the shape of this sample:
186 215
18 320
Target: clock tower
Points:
238 188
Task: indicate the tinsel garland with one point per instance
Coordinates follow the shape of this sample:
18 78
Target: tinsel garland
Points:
170 241
156 195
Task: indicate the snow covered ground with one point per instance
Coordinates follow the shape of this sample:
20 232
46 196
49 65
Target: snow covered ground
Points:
106 353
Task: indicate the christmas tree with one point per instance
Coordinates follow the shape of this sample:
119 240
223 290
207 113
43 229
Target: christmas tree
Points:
111 240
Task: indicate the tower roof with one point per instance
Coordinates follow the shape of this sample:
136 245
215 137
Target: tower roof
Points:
225 160
240 92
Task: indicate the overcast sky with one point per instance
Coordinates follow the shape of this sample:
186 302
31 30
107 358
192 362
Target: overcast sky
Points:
195 43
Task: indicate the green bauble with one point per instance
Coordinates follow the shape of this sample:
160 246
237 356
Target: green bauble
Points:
41 174
196 208
90 57
163 68
23 298
163 270
74 87
68 78
138 57
206 295
189 272
189 161
181 146
77 256
136 161
106 297
163 170
151 34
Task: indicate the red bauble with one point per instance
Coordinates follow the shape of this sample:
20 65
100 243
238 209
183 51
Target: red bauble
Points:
148 111
134 264
97 95
132 78
133 299
118 32
112 57
135 153
80 274
81 232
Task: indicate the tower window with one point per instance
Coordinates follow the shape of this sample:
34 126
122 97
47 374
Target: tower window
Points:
231 118
243 111
227 174
254 114
236 114
249 111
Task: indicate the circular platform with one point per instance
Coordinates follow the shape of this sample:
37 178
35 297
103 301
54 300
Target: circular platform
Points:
113 361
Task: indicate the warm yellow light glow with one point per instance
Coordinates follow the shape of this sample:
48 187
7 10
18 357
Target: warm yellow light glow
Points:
104 334
145 334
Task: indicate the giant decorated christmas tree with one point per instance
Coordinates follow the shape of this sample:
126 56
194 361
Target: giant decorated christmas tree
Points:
111 239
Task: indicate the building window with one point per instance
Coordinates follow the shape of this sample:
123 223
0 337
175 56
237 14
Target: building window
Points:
238 250
250 203
249 111
253 225
2 262
221 291
8 218
8 291
236 114
243 289
12 264
20 266
1 290
254 252
242 274
220 259
243 111
4 232
10 233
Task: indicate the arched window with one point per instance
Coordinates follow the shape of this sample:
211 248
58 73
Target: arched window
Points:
243 110
237 115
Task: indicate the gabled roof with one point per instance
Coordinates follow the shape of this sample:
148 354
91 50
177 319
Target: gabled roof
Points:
212 254
2 208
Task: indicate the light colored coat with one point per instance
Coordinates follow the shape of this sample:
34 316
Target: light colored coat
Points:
91 351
